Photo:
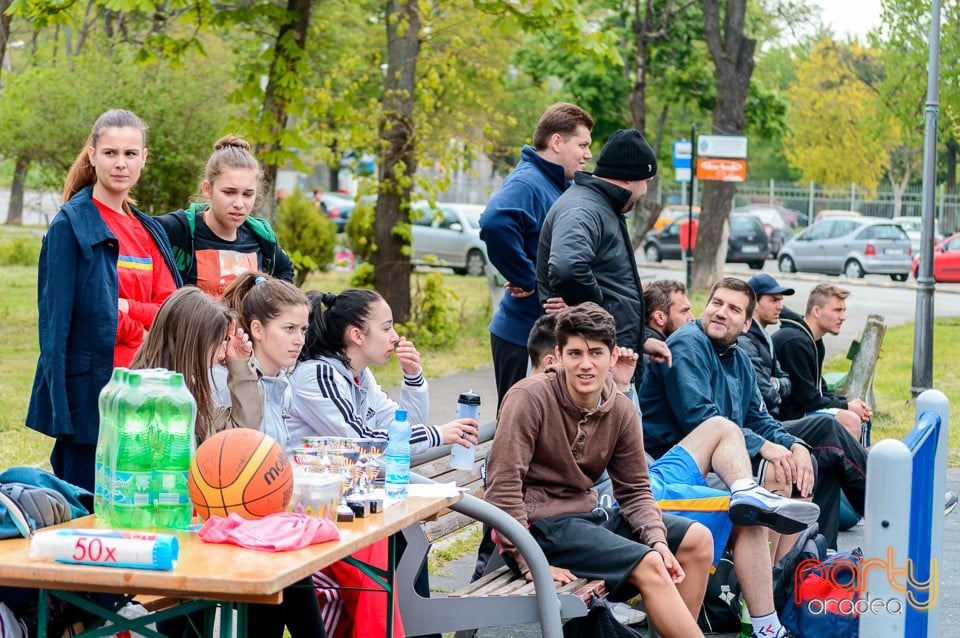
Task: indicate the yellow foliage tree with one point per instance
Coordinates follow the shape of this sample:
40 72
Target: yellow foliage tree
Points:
840 132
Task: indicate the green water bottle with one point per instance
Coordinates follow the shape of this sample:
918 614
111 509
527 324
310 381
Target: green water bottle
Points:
175 413
746 625
103 478
132 452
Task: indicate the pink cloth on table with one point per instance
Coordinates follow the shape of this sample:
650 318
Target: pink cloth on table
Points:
274 533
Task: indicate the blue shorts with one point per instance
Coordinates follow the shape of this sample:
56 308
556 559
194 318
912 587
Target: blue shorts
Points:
679 488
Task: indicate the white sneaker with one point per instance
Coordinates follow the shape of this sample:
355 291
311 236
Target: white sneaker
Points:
627 615
757 506
950 503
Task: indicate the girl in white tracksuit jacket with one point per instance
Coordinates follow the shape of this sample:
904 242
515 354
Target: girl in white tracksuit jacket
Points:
335 393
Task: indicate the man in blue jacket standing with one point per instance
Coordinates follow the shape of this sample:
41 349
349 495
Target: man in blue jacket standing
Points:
511 224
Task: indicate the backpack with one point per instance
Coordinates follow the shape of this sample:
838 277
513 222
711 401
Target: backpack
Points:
825 599
809 544
260 228
721 602
31 499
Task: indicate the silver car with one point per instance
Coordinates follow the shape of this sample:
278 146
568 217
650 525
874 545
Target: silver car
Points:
449 235
854 246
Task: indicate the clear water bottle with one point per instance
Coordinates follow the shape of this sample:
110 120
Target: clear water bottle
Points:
398 457
103 480
175 413
133 455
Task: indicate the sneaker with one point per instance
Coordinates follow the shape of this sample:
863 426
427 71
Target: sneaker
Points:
783 633
950 503
757 506
627 615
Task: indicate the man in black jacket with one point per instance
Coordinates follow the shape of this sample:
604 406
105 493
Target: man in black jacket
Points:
841 460
799 347
585 253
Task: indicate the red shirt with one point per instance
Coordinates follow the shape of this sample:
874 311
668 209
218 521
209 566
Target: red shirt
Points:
143 277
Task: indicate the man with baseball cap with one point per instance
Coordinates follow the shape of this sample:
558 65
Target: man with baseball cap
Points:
585 253
841 460
773 382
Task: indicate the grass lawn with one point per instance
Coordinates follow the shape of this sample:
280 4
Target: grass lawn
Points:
894 412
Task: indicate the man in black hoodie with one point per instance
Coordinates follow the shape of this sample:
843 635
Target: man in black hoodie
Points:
799 348
841 460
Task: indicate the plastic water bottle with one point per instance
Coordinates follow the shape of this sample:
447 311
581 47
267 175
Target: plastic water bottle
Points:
398 457
468 406
746 625
133 465
175 412
103 480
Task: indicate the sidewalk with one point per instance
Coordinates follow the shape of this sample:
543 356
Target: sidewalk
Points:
443 398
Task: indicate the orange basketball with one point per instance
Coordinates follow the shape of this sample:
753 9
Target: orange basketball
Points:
240 470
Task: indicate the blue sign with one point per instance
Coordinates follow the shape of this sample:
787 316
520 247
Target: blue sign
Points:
682 157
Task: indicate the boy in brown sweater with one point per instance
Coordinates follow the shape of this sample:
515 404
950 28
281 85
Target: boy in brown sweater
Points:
558 432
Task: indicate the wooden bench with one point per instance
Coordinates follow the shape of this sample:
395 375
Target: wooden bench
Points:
863 355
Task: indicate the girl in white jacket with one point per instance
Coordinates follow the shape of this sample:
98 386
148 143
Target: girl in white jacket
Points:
335 393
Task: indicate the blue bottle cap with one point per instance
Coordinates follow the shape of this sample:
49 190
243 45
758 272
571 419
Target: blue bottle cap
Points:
401 415
166 552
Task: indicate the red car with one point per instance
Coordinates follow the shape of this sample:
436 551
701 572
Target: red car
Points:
946 261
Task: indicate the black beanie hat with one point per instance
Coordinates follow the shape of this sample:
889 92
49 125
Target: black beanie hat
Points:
626 156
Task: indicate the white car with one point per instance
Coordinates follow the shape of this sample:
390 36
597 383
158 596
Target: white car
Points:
913 226
449 235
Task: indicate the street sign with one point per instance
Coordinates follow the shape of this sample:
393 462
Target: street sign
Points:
726 146
682 155
721 170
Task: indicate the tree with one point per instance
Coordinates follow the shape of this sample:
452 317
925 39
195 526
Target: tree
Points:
835 114
398 160
732 54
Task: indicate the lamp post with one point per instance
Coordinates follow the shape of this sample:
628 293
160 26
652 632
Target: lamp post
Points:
923 333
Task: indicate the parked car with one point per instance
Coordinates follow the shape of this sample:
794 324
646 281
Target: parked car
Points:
831 213
746 242
338 208
853 246
671 212
913 226
778 230
449 235
946 261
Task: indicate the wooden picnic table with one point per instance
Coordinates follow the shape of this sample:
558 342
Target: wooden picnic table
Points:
224 574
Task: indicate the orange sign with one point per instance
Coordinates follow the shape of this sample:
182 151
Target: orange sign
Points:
721 170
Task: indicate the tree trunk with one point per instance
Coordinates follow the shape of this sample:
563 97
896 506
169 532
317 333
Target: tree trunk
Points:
733 58
951 177
5 21
15 212
286 57
398 162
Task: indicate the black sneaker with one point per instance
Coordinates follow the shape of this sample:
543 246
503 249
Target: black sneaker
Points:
757 506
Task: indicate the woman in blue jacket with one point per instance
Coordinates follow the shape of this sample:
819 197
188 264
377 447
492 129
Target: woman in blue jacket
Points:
104 270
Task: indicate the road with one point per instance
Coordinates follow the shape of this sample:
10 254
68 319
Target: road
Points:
896 301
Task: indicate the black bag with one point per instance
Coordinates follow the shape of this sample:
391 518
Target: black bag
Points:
599 623
721 603
809 544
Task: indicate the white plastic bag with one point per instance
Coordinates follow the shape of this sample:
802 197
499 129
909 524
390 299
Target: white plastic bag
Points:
10 625
132 610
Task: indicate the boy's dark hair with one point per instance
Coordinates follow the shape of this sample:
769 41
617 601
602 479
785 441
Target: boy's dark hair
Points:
738 285
658 295
560 118
542 340
589 321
